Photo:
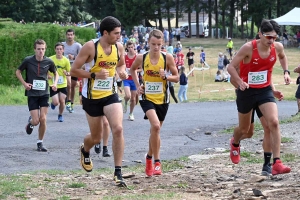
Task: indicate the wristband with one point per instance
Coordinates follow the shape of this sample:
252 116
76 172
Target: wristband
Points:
286 71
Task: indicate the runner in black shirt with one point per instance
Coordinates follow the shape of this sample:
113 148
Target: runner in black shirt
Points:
36 85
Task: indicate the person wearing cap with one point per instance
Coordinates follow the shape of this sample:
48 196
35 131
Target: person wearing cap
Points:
190 57
230 46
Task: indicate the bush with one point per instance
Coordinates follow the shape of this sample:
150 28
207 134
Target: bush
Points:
17 42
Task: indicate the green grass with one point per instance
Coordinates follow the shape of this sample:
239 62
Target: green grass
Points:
13 185
286 140
288 157
76 185
168 195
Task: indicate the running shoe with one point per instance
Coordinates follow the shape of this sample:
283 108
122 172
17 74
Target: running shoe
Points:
68 106
119 180
157 169
85 160
29 127
131 117
52 106
71 109
149 167
40 147
279 168
105 153
97 148
266 170
125 107
60 118
234 152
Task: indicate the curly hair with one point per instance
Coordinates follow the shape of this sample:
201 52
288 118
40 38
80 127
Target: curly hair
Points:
108 24
269 25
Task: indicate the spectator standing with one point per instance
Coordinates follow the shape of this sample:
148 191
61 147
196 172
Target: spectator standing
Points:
298 38
183 80
230 47
202 57
166 36
178 32
190 57
220 61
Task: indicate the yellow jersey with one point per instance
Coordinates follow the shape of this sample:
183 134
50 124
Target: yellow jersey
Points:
156 89
100 88
62 65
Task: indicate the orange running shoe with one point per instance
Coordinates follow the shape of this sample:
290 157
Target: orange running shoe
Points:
234 152
149 167
157 169
279 168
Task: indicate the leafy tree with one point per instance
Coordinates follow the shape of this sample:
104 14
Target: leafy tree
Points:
100 8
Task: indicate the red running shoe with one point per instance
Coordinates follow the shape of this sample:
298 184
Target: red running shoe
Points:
279 168
149 167
157 169
234 152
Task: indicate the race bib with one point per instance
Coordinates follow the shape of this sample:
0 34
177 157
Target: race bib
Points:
103 84
60 80
153 87
191 57
128 71
39 85
257 78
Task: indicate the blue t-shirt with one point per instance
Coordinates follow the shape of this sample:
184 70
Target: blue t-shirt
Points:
202 56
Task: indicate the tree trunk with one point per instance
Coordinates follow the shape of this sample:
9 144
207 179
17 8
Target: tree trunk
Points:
231 18
209 18
252 27
216 18
278 8
197 23
242 19
159 16
190 25
177 14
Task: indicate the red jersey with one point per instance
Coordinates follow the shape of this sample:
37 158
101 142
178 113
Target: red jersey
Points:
80 84
128 62
257 73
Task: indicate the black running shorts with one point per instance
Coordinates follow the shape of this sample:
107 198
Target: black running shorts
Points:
258 113
119 83
253 97
35 103
161 110
297 95
94 107
62 90
190 62
74 78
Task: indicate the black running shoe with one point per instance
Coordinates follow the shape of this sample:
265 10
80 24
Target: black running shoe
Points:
40 147
105 153
119 180
97 148
266 170
29 128
85 160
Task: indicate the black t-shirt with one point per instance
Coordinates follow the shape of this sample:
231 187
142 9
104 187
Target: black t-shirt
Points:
190 55
37 74
285 36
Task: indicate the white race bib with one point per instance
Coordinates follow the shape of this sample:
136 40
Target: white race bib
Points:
153 87
128 71
191 57
257 78
39 85
103 84
60 80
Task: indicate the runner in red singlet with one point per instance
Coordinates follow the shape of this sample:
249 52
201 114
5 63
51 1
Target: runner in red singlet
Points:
257 59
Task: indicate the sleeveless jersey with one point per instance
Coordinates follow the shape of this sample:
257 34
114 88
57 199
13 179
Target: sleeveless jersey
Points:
156 89
128 62
257 73
100 88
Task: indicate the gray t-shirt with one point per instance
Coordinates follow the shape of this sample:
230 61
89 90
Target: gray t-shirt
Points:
37 75
72 49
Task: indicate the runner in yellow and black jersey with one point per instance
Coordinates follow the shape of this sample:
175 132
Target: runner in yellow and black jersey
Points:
155 93
98 97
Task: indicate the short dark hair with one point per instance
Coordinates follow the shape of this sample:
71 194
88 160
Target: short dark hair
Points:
269 25
39 41
70 30
108 24
129 42
59 44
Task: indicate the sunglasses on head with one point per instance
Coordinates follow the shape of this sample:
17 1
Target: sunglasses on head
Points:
269 37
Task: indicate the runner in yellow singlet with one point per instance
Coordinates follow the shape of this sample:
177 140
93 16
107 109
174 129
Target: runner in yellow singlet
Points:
155 93
98 94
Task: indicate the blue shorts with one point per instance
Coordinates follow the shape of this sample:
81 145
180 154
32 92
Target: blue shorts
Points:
129 83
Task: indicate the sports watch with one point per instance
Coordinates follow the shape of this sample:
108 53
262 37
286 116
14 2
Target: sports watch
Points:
93 75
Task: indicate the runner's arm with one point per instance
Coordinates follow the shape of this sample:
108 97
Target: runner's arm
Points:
134 67
172 68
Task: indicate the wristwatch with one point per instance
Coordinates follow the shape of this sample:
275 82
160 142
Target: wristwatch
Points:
286 71
93 75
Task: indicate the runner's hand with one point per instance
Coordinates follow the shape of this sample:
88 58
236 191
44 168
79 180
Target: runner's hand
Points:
278 95
123 75
27 86
287 79
103 74
162 73
243 86
141 90
54 87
